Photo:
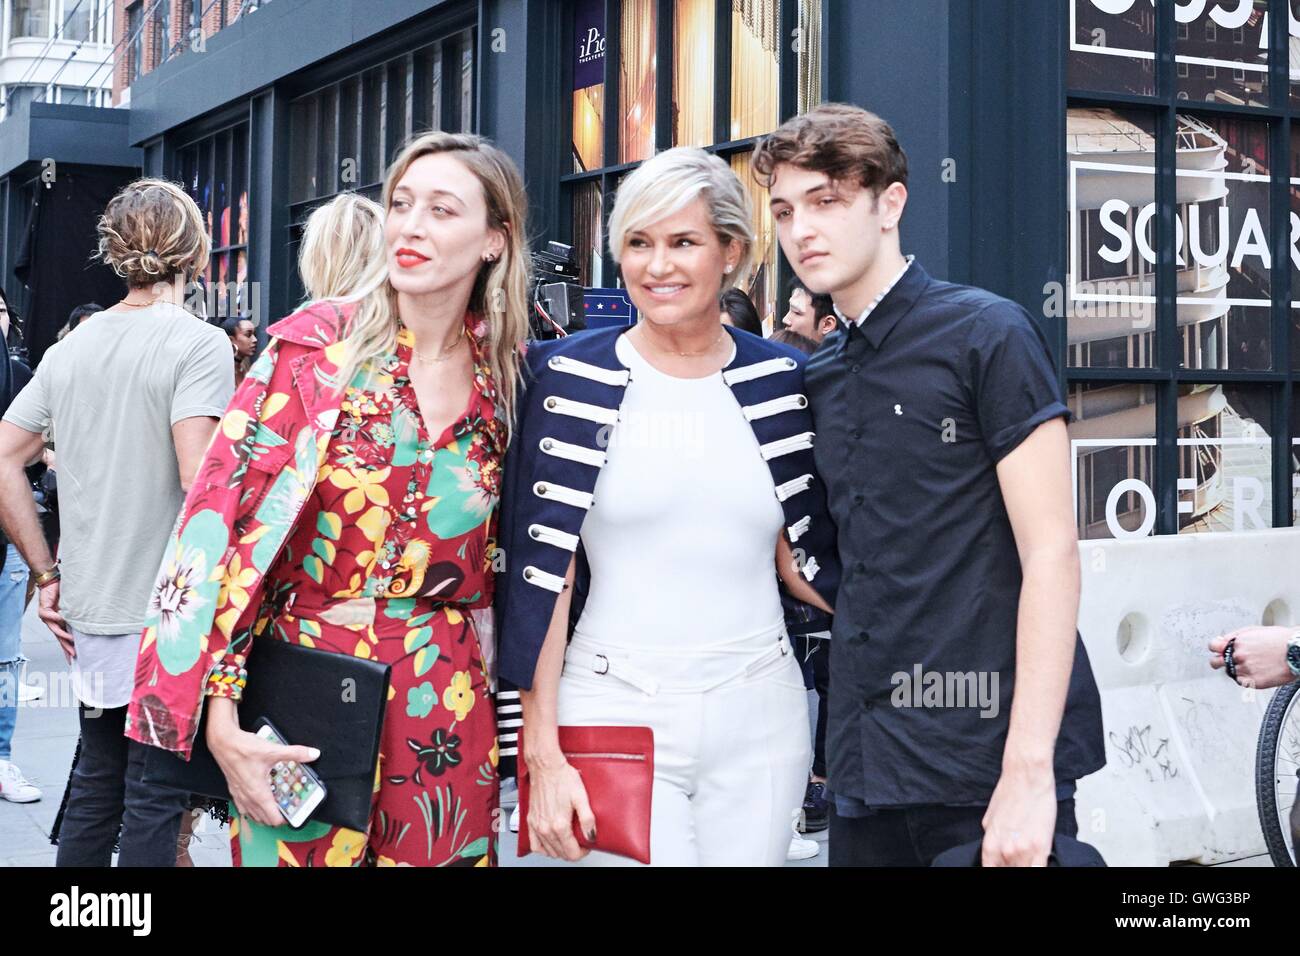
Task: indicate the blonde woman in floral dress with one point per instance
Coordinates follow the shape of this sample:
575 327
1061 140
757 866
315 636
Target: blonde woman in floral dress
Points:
361 520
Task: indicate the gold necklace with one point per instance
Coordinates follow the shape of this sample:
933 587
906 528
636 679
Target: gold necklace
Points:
138 305
709 348
443 355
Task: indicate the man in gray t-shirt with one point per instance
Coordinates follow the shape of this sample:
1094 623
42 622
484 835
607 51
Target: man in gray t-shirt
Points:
132 397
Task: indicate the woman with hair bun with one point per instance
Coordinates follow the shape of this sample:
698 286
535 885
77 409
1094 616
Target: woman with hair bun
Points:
349 504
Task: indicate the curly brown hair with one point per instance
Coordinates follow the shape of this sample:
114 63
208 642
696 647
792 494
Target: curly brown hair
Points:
845 142
152 232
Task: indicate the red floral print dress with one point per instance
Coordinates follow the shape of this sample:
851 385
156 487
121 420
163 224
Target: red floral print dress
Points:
391 552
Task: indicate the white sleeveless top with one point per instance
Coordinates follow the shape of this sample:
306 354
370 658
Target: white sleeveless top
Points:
682 536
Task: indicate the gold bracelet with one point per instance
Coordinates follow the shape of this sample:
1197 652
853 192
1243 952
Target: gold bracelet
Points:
47 577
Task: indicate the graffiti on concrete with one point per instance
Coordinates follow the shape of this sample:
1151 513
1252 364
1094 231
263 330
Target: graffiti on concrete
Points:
1139 748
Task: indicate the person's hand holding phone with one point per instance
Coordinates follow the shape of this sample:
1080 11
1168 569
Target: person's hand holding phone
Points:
247 761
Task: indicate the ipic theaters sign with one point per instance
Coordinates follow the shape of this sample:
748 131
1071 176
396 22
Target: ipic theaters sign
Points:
589 43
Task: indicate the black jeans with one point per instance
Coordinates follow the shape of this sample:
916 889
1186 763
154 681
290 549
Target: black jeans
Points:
914 836
814 660
106 791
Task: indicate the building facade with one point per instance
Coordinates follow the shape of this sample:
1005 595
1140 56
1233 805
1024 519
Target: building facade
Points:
1125 169
55 51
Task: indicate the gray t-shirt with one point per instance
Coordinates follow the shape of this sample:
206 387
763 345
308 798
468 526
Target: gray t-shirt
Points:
112 389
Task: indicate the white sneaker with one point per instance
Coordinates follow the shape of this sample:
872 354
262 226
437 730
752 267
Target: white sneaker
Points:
801 849
514 819
29 692
14 786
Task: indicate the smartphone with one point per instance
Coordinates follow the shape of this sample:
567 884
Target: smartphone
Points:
297 789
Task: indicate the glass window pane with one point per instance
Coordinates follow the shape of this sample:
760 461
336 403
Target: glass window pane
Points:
373 161
754 26
303 148
239 185
349 93
396 99
809 64
221 238
637 81
1295 51
693 45
75 95
435 87
588 246
1109 299
76 22
1225 476
467 82
1220 68
31 18
328 170
1223 221
761 285
1112 443
1112 52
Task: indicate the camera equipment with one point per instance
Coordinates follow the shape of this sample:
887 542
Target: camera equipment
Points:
557 293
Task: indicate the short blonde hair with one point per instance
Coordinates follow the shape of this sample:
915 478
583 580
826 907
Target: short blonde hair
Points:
151 232
669 182
342 241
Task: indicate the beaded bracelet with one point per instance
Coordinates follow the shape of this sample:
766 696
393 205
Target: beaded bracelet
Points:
227 680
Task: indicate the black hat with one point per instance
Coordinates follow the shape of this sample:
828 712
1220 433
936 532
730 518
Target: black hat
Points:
1066 851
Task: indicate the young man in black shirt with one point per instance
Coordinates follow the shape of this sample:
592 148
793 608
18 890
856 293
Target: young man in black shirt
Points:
962 703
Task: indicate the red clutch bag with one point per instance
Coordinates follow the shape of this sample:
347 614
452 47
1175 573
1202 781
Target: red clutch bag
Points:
617 765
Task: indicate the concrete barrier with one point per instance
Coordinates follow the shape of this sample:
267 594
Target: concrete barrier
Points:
1180 737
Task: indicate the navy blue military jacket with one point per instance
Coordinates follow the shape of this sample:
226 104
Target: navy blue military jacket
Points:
573 391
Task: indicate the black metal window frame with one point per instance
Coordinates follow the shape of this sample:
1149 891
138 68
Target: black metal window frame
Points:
1166 376
608 175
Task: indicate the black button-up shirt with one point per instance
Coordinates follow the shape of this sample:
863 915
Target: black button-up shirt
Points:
913 410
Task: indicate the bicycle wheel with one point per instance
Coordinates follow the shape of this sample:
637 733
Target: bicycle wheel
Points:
1277 761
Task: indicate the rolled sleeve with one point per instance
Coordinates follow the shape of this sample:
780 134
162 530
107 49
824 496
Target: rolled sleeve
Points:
1014 381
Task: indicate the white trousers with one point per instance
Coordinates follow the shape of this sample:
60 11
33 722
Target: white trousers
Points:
732 751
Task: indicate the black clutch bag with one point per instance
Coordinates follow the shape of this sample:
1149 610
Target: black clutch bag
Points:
333 702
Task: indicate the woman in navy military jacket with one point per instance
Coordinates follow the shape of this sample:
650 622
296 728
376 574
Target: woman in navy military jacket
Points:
658 472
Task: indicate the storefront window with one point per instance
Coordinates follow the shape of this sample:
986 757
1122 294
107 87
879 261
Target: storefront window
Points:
810 54
1197 433
215 172
754 27
726 58
588 29
693 45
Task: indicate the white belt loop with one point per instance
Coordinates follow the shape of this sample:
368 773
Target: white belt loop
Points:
562 449
793 487
569 496
592 413
562 363
561 539
600 664
784 446
746 373
786 403
544 579
799 527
